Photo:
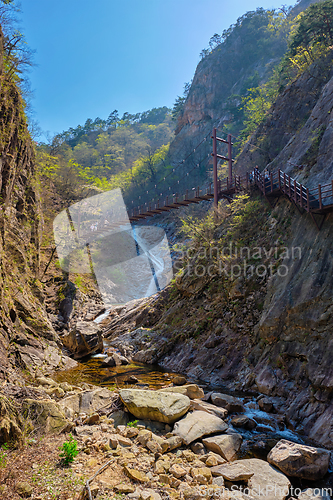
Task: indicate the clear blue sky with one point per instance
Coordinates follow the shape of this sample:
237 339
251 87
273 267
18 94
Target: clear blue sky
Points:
94 56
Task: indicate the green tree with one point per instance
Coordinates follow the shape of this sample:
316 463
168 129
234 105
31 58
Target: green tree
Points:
178 106
16 54
145 168
314 26
113 119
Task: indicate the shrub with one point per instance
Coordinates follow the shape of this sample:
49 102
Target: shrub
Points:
69 450
133 423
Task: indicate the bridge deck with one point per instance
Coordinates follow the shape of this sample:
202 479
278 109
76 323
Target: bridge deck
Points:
318 201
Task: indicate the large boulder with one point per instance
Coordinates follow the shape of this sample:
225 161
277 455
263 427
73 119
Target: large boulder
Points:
232 472
264 483
155 405
85 339
297 460
192 391
44 359
114 359
87 402
209 408
198 424
226 445
46 415
232 404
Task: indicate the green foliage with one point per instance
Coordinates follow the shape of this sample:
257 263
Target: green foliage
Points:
260 33
146 167
239 220
69 450
258 38
314 26
3 455
125 153
133 423
17 56
246 213
256 105
178 107
200 230
311 38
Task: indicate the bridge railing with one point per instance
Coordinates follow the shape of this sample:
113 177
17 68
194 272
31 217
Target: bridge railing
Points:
279 181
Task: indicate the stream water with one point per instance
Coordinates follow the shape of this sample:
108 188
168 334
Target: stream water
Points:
257 442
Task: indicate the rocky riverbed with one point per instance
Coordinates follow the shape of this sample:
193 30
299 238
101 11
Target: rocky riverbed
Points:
176 442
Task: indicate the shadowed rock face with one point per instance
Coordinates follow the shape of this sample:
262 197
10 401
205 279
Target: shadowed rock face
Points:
296 460
85 339
27 338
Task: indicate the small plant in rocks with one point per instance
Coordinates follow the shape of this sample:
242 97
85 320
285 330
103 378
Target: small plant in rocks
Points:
69 450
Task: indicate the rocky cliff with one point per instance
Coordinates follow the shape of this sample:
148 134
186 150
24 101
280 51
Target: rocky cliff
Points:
27 338
226 73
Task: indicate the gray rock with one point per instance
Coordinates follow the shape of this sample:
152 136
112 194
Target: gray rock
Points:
266 482
232 472
179 380
108 362
85 339
232 404
155 405
86 402
219 481
265 404
192 391
226 445
244 421
266 381
297 460
198 449
115 359
151 425
174 442
198 424
209 408
119 417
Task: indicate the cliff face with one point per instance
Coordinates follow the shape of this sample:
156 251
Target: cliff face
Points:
297 134
245 59
27 339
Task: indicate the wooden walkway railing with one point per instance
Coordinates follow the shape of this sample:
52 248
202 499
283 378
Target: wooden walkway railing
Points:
318 201
225 188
